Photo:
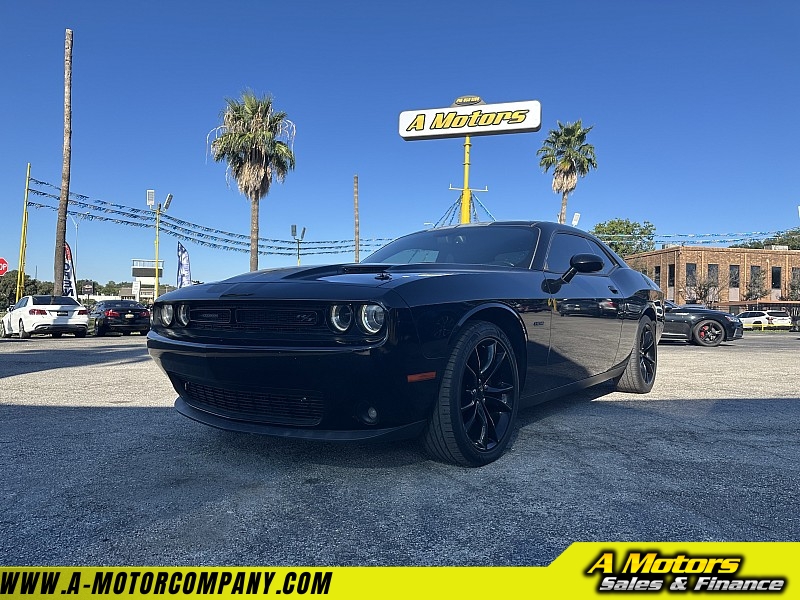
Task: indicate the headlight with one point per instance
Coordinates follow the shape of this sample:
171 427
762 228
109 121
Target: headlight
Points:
341 317
166 313
372 318
183 314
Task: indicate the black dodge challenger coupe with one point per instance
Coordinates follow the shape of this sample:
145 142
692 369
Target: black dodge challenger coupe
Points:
443 333
700 325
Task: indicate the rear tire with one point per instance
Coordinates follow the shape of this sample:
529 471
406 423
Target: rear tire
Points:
23 335
640 372
99 331
474 416
56 335
80 334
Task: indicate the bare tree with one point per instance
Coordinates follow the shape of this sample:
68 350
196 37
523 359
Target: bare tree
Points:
705 290
756 287
63 203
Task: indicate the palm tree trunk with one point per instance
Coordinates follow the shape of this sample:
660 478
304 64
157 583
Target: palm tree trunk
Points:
63 203
254 234
562 217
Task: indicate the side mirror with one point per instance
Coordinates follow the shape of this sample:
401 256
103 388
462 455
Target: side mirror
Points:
582 263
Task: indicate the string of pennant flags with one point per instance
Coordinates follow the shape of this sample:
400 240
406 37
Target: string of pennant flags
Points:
101 210
191 232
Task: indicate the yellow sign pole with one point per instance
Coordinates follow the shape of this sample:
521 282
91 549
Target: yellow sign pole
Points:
466 193
23 241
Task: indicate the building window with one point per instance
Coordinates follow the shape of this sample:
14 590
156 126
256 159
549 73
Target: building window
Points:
776 278
713 274
733 276
755 272
691 274
670 275
657 275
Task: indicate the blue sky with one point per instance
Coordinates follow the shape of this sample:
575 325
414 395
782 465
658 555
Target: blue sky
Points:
694 107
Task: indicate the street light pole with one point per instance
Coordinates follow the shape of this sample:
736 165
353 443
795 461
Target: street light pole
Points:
151 201
298 240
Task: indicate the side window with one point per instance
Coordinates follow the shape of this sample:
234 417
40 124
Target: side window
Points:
566 245
608 262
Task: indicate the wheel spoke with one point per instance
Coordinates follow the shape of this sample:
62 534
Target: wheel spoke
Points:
499 359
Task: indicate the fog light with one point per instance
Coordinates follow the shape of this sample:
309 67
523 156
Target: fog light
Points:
368 415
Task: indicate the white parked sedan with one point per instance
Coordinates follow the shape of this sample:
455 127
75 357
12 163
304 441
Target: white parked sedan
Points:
765 319
45 314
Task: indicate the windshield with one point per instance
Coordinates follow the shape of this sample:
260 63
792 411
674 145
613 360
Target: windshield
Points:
510 246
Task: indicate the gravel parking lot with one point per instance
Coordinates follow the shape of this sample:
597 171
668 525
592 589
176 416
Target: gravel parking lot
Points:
99 469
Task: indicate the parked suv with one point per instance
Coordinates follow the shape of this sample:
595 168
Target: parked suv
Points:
765 319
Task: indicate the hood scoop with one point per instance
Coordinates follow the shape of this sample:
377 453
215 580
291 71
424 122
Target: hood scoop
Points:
379 270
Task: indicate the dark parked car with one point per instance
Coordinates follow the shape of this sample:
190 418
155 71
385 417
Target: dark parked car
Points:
700 325
125 316
443 333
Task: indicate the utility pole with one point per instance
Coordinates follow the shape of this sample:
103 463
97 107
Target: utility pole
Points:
355 210
63 203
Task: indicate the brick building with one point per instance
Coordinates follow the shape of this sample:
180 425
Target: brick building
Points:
722 275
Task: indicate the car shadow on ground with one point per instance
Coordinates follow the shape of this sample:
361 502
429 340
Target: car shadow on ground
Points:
27 358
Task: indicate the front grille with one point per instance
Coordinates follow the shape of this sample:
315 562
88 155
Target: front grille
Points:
277 407
302 319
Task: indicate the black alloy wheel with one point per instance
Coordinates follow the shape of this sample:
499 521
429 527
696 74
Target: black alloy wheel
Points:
23 335
478 399
640 372
708 333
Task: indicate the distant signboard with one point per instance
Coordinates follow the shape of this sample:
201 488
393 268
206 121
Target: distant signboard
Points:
468 117
88 288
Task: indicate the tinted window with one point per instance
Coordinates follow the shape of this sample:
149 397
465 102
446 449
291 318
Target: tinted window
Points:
566 245
53 300
123 304
489 245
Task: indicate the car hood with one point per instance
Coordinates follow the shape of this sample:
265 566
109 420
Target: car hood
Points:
357 280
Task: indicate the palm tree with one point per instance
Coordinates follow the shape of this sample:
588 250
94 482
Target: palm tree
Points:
256 142
566 150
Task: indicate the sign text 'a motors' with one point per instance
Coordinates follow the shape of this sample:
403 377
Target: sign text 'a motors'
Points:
461 120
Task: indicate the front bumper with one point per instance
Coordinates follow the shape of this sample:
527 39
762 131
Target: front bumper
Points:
312 393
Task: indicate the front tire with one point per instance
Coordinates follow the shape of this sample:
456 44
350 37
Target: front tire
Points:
478 401
708 333
3 332
640 372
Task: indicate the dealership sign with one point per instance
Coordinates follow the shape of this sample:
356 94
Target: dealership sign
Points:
469 116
